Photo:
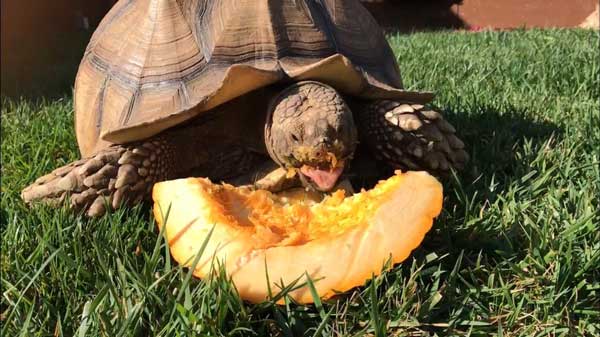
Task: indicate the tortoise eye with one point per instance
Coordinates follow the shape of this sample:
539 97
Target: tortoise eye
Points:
295 138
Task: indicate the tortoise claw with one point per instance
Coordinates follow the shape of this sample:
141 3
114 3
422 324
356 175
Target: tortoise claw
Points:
407 136
101 183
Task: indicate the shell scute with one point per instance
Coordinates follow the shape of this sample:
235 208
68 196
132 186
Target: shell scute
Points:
153 64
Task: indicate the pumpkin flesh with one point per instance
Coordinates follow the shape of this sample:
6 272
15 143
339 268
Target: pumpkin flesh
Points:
339 241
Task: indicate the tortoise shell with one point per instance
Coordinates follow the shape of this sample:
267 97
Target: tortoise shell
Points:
153 64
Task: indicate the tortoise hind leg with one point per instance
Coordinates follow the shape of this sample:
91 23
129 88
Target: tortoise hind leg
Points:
114 176
408 136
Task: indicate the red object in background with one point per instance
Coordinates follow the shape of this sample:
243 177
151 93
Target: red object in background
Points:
475 15
507 14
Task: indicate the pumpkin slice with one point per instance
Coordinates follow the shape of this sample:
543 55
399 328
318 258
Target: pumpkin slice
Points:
339 241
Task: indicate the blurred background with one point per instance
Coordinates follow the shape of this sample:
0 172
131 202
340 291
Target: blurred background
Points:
43 41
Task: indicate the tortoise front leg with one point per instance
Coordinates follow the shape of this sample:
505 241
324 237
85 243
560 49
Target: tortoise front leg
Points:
124 174
119 174
409 136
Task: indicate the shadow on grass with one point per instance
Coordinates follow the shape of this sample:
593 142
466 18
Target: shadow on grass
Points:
465 236
494 138
502 146
411 16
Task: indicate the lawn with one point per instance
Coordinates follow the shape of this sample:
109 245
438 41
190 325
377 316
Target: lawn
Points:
516 251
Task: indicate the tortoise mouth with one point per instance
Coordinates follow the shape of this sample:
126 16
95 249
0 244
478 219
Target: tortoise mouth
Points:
321 167
322 179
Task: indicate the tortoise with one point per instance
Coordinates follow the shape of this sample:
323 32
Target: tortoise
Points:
214 88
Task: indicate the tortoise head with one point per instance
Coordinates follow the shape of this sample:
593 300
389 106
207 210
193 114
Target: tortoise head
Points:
311 131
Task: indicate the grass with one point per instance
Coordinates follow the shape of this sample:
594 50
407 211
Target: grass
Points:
515 252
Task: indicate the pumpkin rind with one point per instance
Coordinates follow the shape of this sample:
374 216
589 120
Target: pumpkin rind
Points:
336 261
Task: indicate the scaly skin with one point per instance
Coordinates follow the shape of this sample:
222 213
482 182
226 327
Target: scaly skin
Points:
124 174
307 124
115 175
221 145
411 137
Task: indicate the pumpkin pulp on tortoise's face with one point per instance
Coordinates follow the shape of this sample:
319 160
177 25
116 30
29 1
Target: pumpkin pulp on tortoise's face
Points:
322 167
311 129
